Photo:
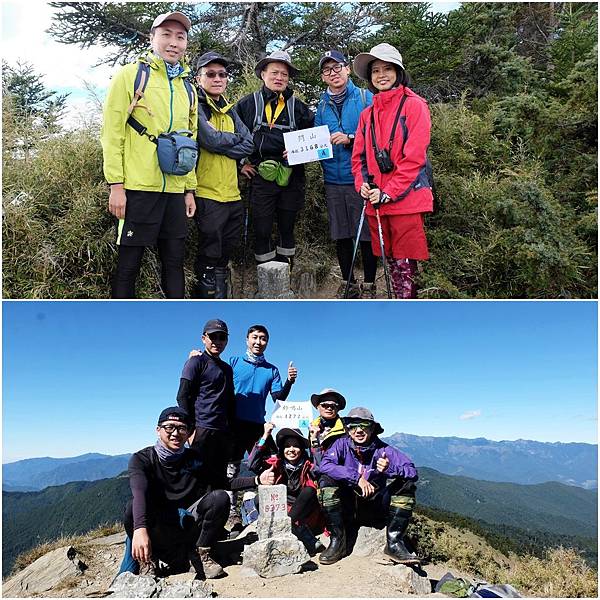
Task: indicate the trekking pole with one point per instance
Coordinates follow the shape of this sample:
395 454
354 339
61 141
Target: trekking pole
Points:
245 242
380 231
360 225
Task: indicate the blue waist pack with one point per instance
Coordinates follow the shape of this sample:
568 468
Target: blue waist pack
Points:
177 152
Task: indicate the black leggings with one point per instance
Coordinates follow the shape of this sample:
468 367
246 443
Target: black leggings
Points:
209 514
304 504
345 248
171 253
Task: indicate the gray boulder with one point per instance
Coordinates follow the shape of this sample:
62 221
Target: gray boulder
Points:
45 573
409 581
275 557
128 585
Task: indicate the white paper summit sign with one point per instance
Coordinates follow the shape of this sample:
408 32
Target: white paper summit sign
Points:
308 145
296 415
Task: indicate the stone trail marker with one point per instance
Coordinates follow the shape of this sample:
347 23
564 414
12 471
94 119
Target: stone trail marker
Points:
274 280
278 551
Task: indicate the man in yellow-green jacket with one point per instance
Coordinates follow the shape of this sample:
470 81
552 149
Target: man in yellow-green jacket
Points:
151 207
223 140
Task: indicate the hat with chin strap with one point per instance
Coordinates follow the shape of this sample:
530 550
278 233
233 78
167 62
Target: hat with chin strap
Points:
384 52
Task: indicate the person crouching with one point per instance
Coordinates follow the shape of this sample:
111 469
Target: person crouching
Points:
375 484
289 461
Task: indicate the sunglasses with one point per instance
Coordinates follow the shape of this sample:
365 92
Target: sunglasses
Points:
217 336
213 74
331 405
364 425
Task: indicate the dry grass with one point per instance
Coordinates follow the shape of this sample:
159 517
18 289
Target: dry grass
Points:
26 558
561 574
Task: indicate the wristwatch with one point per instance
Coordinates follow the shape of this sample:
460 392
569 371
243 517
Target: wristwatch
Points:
351 138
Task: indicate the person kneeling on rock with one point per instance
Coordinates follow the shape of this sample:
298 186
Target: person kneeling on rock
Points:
289 461
370 481
179 506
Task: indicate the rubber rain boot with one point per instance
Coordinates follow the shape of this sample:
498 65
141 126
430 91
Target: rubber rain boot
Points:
407 269
311 542
332 508
395 548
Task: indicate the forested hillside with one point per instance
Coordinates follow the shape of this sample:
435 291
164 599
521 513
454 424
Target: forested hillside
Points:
515 518
512 89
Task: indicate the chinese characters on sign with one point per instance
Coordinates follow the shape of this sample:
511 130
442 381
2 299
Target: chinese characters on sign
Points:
308 145
296 415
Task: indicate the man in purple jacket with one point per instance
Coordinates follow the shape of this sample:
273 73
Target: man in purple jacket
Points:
370 481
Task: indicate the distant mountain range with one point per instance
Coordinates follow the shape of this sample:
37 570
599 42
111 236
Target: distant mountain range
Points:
38 473
520 461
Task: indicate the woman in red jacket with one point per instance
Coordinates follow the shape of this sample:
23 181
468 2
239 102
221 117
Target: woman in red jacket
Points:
288 456
390 166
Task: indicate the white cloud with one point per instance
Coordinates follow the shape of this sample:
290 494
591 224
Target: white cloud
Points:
64 66
470 414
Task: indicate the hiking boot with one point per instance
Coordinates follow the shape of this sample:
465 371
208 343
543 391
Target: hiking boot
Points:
395 548
206 285
368 291
205 566
311 542
353 290
148 569
337 530
235 526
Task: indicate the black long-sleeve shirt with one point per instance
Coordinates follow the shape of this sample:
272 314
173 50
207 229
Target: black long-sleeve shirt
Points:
206 392
160 488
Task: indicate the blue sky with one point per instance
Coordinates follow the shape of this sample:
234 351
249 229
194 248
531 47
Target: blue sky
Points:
92 376
67 68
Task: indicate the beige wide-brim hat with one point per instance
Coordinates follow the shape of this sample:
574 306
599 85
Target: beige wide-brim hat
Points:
385 52
277 56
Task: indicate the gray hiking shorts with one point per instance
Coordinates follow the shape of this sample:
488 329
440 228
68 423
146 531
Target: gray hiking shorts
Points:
344 205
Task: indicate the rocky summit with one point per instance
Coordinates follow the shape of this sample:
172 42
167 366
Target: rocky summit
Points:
89 569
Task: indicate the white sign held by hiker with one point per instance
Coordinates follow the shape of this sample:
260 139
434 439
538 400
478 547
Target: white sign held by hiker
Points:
308 145
296 415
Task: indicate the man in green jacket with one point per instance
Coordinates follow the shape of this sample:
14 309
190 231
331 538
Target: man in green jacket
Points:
223 140
151 207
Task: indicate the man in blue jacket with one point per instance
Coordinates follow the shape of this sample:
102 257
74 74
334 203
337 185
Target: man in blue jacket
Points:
339 109
375 482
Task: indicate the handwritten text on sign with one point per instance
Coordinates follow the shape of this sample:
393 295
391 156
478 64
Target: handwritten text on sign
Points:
276 504
308 145
296 415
